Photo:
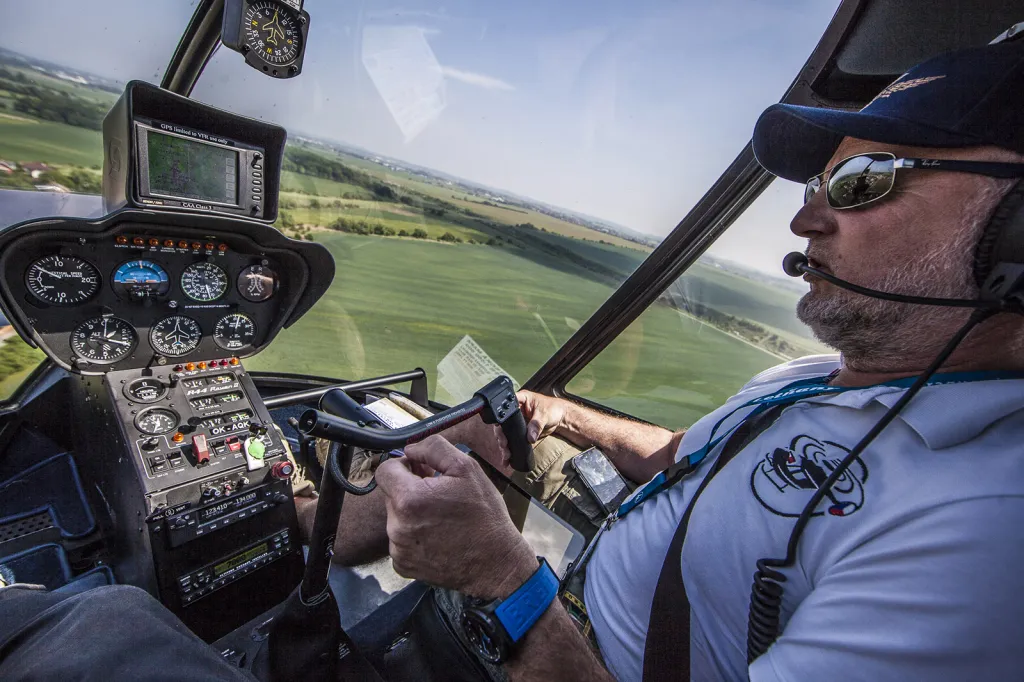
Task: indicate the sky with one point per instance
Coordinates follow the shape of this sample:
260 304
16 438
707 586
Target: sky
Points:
623 109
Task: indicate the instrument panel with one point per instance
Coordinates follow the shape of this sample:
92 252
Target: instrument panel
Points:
136 295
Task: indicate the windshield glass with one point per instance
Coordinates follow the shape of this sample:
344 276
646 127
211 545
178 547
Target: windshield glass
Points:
63 63
484 175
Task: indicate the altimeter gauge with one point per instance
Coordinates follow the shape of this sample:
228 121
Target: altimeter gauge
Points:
104 340
270 33
62 280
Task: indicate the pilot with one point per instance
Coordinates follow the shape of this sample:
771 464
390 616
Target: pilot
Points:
911 566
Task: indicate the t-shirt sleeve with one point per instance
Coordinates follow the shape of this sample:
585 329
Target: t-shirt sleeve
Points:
936 597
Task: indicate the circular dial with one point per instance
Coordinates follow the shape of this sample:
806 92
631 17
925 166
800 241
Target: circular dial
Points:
204 282
140 280
175 335
272 32
156 421
62 280
145 390
235 331
257 283
104 340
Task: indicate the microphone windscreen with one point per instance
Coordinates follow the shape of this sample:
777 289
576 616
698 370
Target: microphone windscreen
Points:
792 262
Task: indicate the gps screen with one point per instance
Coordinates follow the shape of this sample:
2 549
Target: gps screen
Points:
179 167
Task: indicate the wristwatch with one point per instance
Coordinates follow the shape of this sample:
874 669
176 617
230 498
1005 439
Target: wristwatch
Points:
494 628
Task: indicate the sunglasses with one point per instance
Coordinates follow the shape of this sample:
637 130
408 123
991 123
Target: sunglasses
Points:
861 179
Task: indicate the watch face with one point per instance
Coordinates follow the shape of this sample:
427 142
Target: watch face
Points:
485 635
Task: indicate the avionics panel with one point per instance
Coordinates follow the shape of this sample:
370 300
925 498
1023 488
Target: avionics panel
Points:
167 152
179 166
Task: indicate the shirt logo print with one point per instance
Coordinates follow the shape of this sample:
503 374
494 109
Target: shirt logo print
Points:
784 480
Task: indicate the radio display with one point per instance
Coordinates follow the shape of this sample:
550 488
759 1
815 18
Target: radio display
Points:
239 559
216 510
189 169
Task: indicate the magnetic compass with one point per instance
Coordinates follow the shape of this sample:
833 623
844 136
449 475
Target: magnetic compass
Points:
270 33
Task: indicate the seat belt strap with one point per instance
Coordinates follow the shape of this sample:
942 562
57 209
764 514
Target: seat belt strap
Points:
667 650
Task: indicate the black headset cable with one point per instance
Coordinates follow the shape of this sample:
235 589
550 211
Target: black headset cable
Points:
767 590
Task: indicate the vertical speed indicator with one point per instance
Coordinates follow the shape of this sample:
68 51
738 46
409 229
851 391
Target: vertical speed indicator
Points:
62 280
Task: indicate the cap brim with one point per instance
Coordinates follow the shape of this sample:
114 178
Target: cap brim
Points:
796 142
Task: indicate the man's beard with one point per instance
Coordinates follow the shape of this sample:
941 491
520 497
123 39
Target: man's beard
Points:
883 335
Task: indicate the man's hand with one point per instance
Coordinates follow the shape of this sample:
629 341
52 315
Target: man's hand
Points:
543 414
486 440
451 530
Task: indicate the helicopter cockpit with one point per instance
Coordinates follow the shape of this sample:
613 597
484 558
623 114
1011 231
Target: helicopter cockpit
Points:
208 283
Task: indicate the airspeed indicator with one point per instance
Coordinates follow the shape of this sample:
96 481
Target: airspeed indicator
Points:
234 332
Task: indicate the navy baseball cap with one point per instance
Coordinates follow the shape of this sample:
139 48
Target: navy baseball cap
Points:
959 99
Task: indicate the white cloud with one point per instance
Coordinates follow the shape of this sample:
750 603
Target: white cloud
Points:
478 79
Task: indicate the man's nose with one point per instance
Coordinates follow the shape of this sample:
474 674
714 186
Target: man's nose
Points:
814 219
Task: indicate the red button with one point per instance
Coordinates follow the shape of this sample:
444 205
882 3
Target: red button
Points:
200 449
234 445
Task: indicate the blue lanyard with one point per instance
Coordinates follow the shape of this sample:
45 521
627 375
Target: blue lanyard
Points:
789 394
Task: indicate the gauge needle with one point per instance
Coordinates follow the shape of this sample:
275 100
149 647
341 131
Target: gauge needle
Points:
117 341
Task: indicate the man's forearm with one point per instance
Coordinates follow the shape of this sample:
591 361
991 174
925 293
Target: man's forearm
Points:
638 450
554 649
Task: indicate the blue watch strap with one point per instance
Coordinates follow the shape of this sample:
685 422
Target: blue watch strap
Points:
526 605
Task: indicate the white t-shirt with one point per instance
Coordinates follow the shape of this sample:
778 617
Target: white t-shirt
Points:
915 570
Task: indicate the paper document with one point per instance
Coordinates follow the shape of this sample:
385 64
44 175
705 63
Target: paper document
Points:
464 371
391 415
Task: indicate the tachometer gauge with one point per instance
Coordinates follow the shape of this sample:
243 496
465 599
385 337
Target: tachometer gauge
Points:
62 280
140 280
257 283
272 32
175 335
234 332
156 420
204 282
104 340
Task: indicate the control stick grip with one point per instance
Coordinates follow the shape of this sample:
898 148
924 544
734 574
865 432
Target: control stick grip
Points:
514 429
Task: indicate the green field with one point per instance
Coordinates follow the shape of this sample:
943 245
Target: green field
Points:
24 139
385 313
322 187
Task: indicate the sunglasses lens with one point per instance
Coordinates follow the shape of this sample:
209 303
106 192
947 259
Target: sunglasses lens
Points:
860 180
811 188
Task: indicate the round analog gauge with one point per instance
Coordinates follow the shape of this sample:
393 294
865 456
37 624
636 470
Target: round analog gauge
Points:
145 390
157 420
175 335
204 282
62 280
257 283
140 280
104 340
272 31
235 331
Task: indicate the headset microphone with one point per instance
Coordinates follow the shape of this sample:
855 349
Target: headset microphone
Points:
796 265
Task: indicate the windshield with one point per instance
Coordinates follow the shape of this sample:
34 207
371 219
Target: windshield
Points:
484 175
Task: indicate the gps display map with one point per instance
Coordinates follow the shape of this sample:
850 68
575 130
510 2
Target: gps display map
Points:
179 167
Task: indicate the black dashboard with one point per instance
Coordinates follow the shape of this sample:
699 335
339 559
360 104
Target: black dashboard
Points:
136 289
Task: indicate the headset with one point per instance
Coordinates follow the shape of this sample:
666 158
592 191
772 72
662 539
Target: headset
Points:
999 273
